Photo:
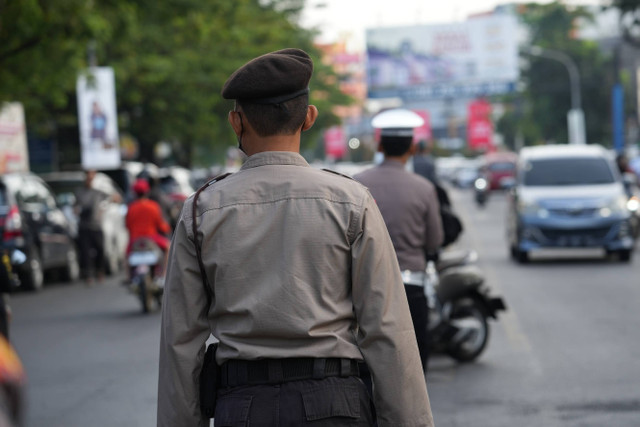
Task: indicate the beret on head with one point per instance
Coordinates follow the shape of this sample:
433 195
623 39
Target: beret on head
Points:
272 78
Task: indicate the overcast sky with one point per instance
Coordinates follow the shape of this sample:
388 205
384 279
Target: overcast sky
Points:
348 19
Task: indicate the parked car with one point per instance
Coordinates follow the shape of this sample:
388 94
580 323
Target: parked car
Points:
568 196
116 237
31 222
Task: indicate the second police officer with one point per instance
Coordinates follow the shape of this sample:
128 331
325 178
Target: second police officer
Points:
409 205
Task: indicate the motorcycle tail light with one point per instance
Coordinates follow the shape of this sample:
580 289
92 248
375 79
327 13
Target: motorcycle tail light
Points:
12 224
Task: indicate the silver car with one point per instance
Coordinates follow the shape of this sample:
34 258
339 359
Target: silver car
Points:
568 196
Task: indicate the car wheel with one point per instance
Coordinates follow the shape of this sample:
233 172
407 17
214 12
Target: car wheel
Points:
71 271
624 255
522 257
32 274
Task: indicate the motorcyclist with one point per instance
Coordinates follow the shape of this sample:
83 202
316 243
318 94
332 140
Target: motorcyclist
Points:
144 220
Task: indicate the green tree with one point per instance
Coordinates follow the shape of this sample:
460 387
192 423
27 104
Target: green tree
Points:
170 58
629 19
539 113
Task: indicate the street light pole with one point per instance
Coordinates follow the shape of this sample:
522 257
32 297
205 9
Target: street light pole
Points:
575 117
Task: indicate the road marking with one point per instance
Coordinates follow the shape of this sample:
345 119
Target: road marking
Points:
508 319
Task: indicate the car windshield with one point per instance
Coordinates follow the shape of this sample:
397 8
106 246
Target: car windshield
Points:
60 187
501 166
567 171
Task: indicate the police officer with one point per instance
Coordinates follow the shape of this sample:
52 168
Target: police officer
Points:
409 205
304 281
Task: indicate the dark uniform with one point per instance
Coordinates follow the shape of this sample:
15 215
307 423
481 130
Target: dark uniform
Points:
305 284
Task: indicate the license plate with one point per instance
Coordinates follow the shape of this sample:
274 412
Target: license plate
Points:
147 257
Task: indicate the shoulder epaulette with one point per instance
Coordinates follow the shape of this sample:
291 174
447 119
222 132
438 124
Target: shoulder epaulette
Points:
338 173
214 180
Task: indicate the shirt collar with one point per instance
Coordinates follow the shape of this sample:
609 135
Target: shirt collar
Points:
274 158
390 163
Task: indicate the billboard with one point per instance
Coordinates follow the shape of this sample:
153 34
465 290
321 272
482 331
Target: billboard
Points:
335 145
474 58
14 154
97 119
479 126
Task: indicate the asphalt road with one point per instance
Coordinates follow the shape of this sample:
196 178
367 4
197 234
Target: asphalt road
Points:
565 354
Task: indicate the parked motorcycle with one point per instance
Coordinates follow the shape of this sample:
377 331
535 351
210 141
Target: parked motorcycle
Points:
460 305
145 259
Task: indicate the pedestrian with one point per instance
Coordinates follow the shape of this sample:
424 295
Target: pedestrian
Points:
303 278
90 205
423 163
409 205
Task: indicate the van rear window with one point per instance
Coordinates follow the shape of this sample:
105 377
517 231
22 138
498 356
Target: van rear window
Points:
567 171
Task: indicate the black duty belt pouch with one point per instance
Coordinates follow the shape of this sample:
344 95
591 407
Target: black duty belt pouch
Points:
209 381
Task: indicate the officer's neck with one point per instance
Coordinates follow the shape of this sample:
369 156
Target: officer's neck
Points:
402 159
257 144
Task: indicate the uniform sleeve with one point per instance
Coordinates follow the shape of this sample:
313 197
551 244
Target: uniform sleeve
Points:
385 335
434 231
184 332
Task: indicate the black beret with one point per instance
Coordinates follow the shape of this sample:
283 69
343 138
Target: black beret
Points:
272 78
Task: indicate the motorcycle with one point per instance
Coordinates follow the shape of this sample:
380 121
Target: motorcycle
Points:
460 305
145 259
481 191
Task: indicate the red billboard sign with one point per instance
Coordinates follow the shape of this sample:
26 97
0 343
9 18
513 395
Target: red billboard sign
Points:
335 145
479 126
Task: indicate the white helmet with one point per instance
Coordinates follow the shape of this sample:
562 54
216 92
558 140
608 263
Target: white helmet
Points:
397 122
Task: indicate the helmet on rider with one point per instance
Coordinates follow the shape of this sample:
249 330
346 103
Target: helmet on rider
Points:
141 187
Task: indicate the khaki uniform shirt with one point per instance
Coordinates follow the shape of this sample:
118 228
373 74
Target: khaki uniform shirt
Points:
301 265
410 208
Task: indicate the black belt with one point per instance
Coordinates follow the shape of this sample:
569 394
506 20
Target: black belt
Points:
273 371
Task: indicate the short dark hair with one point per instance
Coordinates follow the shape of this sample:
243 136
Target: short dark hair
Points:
285 118
395 145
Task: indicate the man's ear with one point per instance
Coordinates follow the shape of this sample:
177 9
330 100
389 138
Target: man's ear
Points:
413 149
312 115
235 121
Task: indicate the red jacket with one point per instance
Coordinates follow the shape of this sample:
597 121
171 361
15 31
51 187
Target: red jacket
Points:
144 219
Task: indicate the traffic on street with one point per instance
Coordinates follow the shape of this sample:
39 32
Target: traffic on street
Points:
564 353
304 212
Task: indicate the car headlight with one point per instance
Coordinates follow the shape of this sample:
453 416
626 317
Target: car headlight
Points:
480 184
614 206
531 208
633 204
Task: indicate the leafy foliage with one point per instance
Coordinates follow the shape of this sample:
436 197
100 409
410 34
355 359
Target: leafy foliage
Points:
540 113
170 58
629 19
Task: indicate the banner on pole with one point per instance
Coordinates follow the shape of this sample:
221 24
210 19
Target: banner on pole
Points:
97 119
14 153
